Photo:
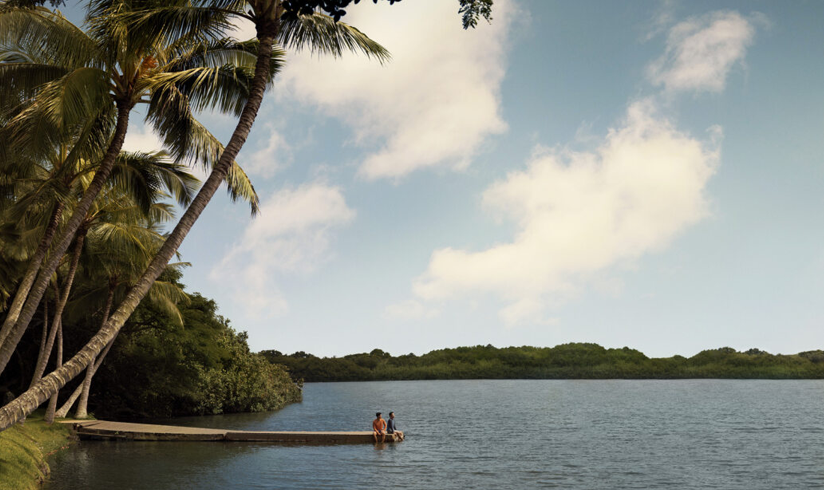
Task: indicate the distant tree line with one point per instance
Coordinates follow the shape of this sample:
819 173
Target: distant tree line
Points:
567 361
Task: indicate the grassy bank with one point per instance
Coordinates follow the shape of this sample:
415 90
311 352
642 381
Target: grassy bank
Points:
23 451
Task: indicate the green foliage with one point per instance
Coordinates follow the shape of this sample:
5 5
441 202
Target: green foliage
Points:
566 361
244 382
162 369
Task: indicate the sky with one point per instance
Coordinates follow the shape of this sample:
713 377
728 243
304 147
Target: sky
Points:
645 174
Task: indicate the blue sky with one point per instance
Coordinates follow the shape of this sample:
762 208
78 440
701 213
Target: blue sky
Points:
646 174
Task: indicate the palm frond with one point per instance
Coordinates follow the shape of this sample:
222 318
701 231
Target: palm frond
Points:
146 175
152 21
21 81
44 36
187 139
74 97
166 296
321 34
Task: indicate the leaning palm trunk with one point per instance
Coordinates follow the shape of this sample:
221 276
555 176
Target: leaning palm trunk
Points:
45 336
46 387
64 410
31 273
82 390
53 402
85 387
63 298
47 345
62 244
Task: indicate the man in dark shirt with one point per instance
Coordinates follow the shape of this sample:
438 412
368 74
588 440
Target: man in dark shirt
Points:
391 428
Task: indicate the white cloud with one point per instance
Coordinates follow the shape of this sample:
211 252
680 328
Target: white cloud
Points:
274 156
242 29
292 234
526 310
663 18
142 138
579 213
701 51
410 310
433 105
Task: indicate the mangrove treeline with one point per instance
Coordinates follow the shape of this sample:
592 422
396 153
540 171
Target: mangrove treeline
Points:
167 361
567 361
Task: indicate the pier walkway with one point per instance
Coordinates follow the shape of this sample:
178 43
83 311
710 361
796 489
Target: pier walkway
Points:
101 429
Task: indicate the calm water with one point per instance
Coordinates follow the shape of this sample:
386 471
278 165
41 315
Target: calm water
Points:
497 434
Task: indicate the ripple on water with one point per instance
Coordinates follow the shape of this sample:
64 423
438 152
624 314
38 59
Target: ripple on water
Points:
498 434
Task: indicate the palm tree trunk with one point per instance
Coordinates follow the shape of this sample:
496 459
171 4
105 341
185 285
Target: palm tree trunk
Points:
31 272
16 332
63 298
84 388
46 350
28 401
53 402
64 410
45 336
83 405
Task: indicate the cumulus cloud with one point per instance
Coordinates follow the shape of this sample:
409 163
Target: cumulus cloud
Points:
701 51
272 157
433 105
291 235
579 213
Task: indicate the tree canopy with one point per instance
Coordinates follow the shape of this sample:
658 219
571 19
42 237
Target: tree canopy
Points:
566 361
471 10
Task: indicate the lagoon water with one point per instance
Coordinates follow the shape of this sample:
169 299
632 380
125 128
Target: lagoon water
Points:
594 434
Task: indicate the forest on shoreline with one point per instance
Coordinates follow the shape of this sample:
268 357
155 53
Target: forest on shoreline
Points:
566 361
187 360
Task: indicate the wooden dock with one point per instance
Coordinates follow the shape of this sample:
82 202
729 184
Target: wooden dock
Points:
104 430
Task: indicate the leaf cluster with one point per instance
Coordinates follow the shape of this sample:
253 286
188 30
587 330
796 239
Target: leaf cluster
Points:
470 10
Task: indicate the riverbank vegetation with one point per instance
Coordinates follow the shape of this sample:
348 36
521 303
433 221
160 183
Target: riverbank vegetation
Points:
23 451
170 359
567 361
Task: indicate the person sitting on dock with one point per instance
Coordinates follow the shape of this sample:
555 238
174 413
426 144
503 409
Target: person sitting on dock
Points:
391 428
379 427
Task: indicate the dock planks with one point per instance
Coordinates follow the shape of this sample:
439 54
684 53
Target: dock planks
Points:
102 429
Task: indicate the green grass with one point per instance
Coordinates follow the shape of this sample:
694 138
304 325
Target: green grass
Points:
23 451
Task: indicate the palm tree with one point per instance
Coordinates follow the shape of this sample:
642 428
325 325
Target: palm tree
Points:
318 32
122 240
138 181
101 76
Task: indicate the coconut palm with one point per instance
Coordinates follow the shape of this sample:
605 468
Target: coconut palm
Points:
121 241
138 181
102 75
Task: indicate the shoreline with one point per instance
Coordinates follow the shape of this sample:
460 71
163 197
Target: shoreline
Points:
24 450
